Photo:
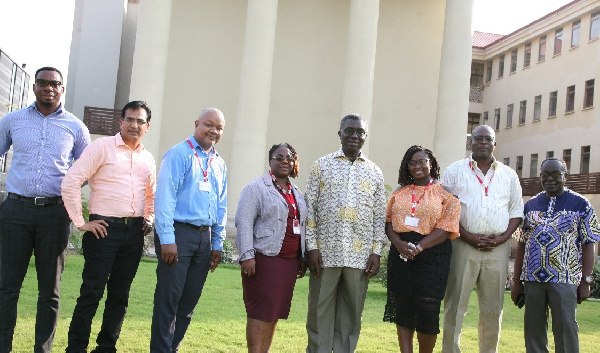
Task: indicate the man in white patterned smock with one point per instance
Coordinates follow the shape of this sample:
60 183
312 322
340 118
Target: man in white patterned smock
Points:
346 202
491 210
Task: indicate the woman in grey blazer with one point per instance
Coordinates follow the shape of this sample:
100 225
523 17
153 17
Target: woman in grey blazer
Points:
270 222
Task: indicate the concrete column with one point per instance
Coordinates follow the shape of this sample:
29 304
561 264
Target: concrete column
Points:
453 88
150 63
249 149
357 94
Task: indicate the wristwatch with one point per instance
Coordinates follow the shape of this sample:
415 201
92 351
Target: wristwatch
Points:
588 279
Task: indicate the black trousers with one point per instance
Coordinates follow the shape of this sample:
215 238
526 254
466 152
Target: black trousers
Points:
44 231
110 262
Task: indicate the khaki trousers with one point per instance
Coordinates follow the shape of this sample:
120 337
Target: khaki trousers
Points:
335 303
487 270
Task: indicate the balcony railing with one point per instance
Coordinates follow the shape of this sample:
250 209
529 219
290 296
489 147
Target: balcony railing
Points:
582 183
102 121
476 94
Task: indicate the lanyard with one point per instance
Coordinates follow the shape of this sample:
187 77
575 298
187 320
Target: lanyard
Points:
204 171
289 196
414 203
485 187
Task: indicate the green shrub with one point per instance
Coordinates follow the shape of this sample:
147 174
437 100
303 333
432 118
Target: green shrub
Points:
228 250
382 274
596 283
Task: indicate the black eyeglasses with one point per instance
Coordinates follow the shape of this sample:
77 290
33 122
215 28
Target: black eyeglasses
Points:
421 162
137 121
282 158
350 131
553 175
43 83
483 138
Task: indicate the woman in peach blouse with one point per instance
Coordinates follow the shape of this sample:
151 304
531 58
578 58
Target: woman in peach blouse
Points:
421 219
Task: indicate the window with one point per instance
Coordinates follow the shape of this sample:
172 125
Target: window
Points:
488 73
552 107
567 159
588 99
497 119
549 154
537 108
476 76
501 66
522 112
527 55
509 115
485 118
513 60
570 99
473 122
558 41
584 166
533 166
519 167
595 26
506 161
542 51
575 34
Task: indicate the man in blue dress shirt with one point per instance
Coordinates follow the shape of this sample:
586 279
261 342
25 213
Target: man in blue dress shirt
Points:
45 140
191 210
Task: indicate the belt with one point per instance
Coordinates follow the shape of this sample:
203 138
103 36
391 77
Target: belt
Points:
122 220
198 228
38 201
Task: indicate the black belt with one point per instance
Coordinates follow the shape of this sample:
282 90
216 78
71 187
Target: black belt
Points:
198 228
38 201
122 220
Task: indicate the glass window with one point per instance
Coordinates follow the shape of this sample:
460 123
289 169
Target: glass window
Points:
552 107
522 112
527 55
485 118
549 154
488 73
595 25
570 99
473 122
567 159
537 108
558 41
506 161
501 66
497 119
533 166
584 166
519 167
513 60
542 51
588 99
509 115
575 34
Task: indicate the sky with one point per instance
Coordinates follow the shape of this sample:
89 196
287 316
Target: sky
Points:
38 32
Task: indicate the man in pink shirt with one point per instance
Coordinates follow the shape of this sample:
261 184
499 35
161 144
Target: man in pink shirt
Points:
122 178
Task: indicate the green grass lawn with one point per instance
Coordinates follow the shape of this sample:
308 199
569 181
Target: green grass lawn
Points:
219 321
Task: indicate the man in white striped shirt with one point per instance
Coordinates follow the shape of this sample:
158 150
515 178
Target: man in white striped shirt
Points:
491 210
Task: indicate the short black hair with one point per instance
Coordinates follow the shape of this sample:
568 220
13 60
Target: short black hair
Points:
404 177
296 167
562 163
134 105
49 68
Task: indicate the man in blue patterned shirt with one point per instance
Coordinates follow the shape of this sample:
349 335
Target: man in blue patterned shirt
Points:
45 139
554 262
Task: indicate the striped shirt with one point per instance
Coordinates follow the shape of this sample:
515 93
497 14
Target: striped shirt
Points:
481 214
44 147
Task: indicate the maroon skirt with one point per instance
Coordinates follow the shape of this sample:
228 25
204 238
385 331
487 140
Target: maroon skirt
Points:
268 294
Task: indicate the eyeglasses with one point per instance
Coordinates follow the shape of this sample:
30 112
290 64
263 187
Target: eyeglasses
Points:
421 162
44 83
483 138
350 131
130 120
282 158
553 175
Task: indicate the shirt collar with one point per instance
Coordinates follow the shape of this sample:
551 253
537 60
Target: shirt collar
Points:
59 110
197 146
340 154
473 163
119 142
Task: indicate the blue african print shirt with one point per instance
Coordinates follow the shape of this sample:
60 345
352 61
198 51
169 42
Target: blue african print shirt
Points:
554 229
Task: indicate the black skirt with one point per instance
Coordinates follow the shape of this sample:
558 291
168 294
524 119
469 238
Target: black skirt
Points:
415 288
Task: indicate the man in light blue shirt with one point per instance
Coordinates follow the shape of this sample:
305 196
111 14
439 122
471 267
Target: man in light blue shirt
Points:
45 140
191 210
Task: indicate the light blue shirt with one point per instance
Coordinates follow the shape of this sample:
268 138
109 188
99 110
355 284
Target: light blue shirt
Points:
44 147
179 198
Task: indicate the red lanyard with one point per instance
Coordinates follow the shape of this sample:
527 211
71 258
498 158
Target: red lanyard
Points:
415 203
485 187
204 171
289 196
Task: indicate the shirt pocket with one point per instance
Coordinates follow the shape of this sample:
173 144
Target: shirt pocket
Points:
502 199
263 232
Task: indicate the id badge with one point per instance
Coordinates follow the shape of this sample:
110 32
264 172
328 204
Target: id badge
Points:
411 221
204 186
296 226
486 201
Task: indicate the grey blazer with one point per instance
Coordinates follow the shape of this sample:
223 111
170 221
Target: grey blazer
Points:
261 218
